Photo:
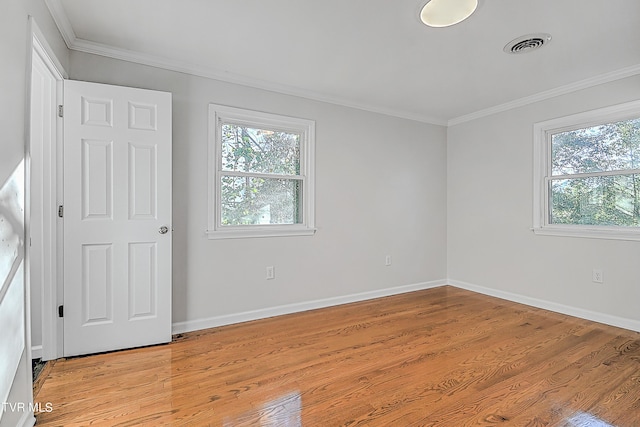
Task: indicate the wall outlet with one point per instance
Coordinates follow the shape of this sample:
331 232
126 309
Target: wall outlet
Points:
597 276
387 260
271 272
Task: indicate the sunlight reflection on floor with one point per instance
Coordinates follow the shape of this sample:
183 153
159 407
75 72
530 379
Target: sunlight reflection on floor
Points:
281 412
582 419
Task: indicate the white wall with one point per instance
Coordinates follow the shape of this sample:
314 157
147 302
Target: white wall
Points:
379 190
490 245
14 51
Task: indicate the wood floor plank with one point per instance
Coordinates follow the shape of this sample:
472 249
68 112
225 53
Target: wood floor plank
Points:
439 357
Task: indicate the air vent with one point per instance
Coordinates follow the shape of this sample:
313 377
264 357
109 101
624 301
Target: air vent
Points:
527 43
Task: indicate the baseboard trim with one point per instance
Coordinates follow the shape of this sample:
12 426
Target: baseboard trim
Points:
607 319
229 319
36 352
212 322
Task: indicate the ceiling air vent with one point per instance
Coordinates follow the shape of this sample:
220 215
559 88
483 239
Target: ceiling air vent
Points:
527 43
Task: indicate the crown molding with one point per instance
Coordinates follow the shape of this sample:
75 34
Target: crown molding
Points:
59 16
74 43
85 46
541 96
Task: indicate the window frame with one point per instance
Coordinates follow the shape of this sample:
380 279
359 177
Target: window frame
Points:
219 114
542 174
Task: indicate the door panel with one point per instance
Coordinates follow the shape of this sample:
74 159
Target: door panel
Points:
117 191
143 283
142 181
97 179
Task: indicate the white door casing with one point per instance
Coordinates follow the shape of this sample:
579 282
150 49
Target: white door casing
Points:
45 82
44 190
117 217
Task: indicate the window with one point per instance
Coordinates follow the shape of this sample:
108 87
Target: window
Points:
587 174
260 174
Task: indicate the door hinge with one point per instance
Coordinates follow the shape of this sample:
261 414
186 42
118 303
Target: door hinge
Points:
61 211
61 311
60 111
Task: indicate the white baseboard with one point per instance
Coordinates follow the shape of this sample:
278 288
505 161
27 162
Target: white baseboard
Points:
36 352
607 319
212 322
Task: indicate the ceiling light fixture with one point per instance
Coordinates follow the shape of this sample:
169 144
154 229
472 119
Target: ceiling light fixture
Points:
443 13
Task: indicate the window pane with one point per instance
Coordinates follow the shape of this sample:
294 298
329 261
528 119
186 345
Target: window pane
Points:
608 147
248 149
602 200
251 201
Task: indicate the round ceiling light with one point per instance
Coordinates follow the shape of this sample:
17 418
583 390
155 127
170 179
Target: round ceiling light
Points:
443 13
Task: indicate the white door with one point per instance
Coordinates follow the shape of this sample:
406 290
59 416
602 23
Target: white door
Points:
117 217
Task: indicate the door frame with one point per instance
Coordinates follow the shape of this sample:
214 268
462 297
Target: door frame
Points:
51 291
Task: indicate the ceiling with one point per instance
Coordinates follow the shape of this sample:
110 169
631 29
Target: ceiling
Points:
371 54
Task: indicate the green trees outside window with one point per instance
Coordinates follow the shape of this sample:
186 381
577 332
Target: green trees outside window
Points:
595 175
260 178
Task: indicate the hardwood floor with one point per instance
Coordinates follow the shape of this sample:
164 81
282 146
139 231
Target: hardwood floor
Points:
439 357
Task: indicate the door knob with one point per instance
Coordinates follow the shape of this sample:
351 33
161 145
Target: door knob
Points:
163 230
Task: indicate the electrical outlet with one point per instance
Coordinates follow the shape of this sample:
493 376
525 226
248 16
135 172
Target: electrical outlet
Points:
387 260
271 272
597 276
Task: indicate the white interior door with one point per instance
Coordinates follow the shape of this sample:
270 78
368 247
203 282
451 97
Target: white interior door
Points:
117 217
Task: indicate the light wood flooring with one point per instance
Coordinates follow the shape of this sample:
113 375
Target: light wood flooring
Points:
438 357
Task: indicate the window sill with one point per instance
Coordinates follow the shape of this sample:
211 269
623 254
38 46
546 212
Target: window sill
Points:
258 232
588 232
